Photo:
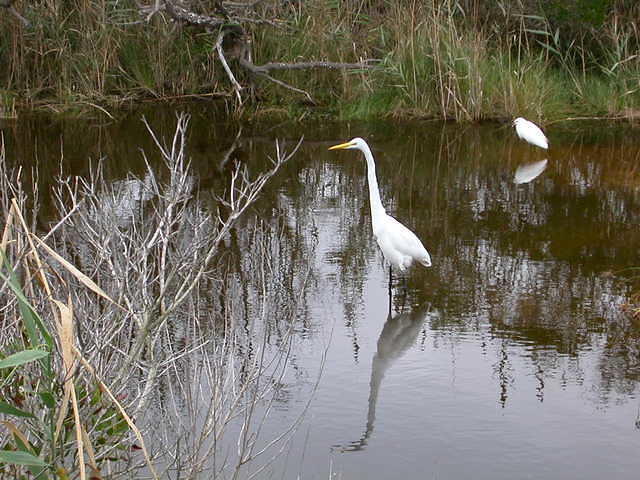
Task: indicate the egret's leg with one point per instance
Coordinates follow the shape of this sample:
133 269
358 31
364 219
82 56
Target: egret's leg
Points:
390 285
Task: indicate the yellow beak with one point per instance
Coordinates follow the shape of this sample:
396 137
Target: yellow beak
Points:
341 146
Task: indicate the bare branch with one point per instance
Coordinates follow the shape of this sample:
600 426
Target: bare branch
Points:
181 14
306 66
236 86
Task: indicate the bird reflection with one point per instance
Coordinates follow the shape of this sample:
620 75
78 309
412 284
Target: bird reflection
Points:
530 171
398 335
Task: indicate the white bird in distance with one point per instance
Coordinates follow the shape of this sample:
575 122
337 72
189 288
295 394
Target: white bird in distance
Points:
530 132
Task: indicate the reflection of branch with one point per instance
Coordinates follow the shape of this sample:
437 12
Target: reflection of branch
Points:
227 155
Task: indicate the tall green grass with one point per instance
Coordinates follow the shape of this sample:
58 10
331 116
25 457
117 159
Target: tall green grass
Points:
454 59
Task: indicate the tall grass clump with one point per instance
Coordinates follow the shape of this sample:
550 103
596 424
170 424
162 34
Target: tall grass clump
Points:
125 307
464 60
100 50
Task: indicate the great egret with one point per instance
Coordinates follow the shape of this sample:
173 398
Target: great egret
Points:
399 245
530 132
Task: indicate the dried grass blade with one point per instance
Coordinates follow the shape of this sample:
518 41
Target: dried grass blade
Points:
34 251
86 281
14 429
132 425
95 475
76 418
5 233
65 332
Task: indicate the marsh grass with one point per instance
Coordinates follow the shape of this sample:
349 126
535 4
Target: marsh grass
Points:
455 59
125 305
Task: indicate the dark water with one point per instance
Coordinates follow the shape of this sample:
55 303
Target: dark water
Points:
510 357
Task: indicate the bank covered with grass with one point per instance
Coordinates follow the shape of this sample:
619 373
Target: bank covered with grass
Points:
454 59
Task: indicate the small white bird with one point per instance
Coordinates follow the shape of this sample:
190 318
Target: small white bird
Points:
530 132
399 245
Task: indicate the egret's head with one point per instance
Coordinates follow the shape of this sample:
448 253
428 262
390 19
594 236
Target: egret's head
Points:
517 121
356 143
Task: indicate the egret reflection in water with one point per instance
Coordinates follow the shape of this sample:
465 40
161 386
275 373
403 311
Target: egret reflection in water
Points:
530 171
398 335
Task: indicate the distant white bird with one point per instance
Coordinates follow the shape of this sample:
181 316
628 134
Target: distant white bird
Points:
399 245
530 132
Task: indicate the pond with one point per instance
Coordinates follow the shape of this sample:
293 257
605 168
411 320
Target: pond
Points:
510 357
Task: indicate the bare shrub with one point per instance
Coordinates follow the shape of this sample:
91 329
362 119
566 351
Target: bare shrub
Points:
159 325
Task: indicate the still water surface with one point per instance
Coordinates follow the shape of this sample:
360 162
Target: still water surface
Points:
509 358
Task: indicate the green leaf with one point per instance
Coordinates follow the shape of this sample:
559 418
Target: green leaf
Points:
21 458
11 410
548 47
532 17
48 399
537 32
22 357
31 319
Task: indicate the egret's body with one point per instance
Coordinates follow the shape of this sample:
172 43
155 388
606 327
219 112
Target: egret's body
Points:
399 245
530 132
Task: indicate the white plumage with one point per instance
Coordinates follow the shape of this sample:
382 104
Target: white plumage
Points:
530 132
399 245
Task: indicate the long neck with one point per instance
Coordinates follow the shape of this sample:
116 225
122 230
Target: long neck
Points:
377 210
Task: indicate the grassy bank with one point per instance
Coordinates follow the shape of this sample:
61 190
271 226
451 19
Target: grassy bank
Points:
465 60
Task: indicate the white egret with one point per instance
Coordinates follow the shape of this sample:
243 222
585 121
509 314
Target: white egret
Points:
530 132
399 245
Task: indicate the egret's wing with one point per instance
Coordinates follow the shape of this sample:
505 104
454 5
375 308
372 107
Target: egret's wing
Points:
530 132
405 241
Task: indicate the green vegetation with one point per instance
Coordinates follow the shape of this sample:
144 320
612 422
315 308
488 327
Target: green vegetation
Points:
455 59
56 411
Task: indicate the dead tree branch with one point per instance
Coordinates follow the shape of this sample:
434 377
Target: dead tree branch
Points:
181 14
304 66
236 86
233 43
